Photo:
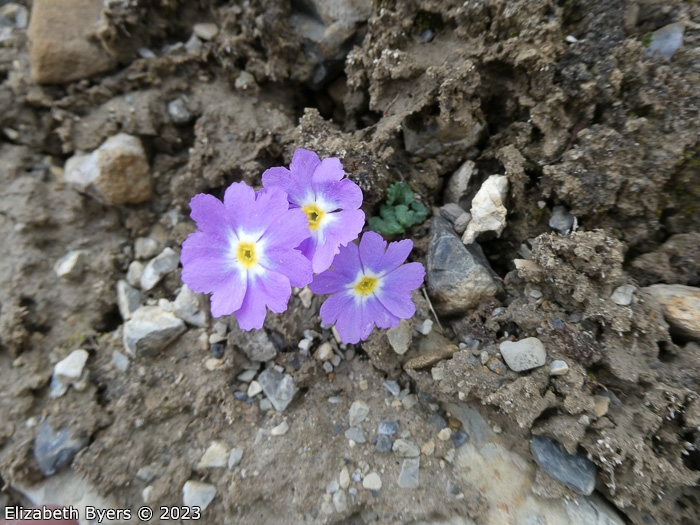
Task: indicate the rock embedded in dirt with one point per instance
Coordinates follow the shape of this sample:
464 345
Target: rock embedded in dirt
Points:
359 410
400 337
279 388
523 355
256 344
340 501
205 31
622 295
324 351
254 388
158 267
575 471
116 173
198 494
71 265
355 434
382 443
488 209
189 307
235 457
53 449
128 299
681 307
179 112
70 369
62 44
151 329
409 476
451 211
372 481
145 248
134 273
280 430
561 220
666 41
458 276
216 456
457 186
558 368
405 449
388 428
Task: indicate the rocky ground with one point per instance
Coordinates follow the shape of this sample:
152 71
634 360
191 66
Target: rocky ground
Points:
551 373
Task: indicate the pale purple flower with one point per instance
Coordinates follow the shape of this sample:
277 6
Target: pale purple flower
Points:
244 252
369 286
331 203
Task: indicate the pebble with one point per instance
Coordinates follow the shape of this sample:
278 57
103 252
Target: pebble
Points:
575 471
217 350
458 183
150 329
409 401
128 299
254 389
681 307
400 337
355 434
488 210
134 273
340 501
622 295
70 369
344 478
120 361
279 388
115 174
71 265
212 364
408 478
437 373
425 327
235 457
305 296
193 45
178 112
358 412
198 494
265 405
393 387
245 81
601 404
525 354
327 367
428 448
462 223
332 487
158 267
280 430
304 345
372 481
149 472
558 368
258 346
405 449
54 449
382 443
458 276
216 456
496 366
335 360
324 351
484 357
460 438
666 41
388 428
451 211
189 307
445 434
561 220
145 248
206 31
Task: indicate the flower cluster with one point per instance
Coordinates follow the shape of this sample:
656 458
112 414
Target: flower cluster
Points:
251 249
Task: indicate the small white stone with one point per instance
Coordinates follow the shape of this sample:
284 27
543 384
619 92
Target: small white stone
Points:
344 478
198 494
280 430
216 456
120 361
235 457
324 352
205 31
488 210
340 501
425 327
358 412
409 401
247 376
558 368
70 369
437 373
70 266
400 337
145 248
134 273
216 338
147 494
305 344
622 295
128 299
158 267
188 307
305 296
525 354
244 81
445 434
254 389
372 481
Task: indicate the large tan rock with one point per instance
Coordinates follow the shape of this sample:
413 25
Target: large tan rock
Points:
62 45
681 307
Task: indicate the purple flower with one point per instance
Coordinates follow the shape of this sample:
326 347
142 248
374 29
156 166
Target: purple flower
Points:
330 202
244 252
369 287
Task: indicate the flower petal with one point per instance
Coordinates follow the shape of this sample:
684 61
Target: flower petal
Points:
398 303
228 297
296 187
381 316
210 215
329 282
347 262
339 195
239 200
287 229
342 309
304 163
396 254
252 312
405 278
329 170
204 263
372 248
275 289
290 263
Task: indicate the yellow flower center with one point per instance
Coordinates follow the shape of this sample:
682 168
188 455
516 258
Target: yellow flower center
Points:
314 214
366 285
246 254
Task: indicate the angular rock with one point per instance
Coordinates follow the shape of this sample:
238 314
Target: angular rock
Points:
400 337
280 430
71 265
451 211
134 273
235 457
358 412
189 307
340 501
382 443
681 307
158 267
408 478
456 190
151 329
324 351
54 449
388 428
558 368
488 210
462 223
128 299
145 248
561 220
575 471
70 369
623 294
62 47
256 344
205 31
666 41
356 434
405 449
178 112
525 354
216 456
458 276
198 494
116 173
279 388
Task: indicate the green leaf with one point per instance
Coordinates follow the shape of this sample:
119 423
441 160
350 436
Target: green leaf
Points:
399 193
421 211
404 216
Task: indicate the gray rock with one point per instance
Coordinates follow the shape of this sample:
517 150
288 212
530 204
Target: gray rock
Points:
358 412
216 456
189 307
178 112
257 346
462 223
356 434
54 449
666 41
460 438
244 81
575 471
280 430
120 361
525 354
558 368
408 478
451 211
458 276
456 190
400 337
70 369
235 457
193 45
372 481
392 387
623 294
488 209
198 494
382 443
116 173
134 273
681 307
279 388
405 449
151 329
388 428
561 220
340 501
206 31
71 265
145 248
128 299
159 267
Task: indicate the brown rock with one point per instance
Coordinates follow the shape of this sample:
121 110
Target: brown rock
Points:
681 307
62 47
